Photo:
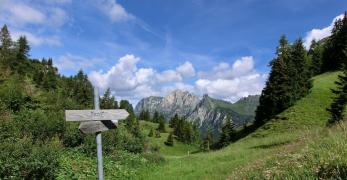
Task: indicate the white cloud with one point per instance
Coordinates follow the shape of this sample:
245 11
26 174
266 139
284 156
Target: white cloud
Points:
240 67
36 40
23 14
128 81
168 76
114 10
186 69
231 82
318 34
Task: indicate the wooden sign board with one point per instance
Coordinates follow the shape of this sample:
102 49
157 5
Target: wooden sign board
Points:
97 126
95 115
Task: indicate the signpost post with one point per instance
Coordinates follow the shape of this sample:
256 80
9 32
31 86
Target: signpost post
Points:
96 121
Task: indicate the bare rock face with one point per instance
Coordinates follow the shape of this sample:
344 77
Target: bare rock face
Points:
177 102
205 113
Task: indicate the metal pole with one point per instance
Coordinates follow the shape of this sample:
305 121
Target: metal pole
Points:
98 137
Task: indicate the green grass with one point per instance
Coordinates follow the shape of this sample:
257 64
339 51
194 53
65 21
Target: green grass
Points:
282 134
179 149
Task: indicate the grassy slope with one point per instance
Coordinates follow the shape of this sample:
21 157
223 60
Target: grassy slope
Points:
284 133
178 149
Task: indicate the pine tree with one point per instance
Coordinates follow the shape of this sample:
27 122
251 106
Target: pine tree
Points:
107 101
207 141
299 71
316 54
338 106
161 126
276 96
155 118
170 140
22 54
174 121
227 132
334 55
6 46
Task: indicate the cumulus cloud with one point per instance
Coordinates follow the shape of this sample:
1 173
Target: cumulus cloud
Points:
231 82
225 81
318 34
114 10
129 81
186 69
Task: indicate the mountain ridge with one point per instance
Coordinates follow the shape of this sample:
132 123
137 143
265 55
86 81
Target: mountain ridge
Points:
207 112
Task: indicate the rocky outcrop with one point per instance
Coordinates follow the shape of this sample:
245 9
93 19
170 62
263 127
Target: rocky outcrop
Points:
206 113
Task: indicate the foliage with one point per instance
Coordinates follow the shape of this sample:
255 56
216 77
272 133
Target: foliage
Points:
289 80
20 158
338 106
107 101
170 140
334 55
161 126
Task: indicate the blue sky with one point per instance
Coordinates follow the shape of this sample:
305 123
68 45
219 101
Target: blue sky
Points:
150 47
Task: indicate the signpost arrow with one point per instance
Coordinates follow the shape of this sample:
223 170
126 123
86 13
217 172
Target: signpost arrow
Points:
97 126
96 121
95 115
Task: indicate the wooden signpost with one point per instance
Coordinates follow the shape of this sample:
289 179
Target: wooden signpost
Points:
96 121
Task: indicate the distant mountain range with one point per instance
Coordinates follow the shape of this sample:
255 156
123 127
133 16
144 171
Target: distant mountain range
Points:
206 112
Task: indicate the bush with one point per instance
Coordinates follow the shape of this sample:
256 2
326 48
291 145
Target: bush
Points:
20 158
153 157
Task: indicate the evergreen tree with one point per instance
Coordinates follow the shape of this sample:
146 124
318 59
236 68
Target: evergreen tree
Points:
174 121
338 106
6 45
22 49
299 71
276 96
334 55
170 140
161 126
155 118
107 101
316 54
207 141
227 132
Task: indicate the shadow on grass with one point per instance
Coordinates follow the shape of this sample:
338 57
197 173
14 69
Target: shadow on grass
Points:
267 146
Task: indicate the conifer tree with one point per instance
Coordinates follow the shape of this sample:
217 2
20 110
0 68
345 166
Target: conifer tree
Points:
170 140
316 54
227 132
299 71
107 101
161 126
174 121
6 45
22 54
276 96
207 141
155 118
334 55
338 106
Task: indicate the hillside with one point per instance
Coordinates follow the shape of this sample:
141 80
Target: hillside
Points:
292 131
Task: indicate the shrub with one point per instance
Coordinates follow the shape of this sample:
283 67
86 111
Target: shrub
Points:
20 158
